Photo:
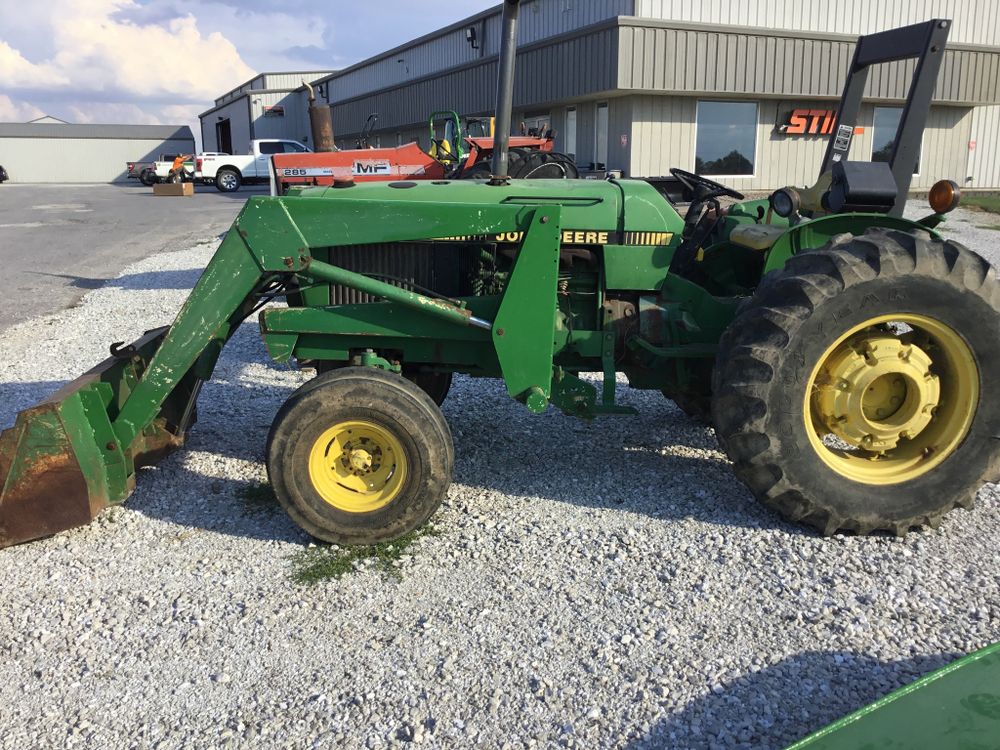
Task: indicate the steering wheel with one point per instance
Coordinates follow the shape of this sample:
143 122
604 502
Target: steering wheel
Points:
702 217
702 187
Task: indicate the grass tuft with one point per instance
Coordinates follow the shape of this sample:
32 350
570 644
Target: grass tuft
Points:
324 562
981 202
258 499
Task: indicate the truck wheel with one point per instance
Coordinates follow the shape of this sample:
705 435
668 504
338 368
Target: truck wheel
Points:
148 177
359 455
228 180
852 393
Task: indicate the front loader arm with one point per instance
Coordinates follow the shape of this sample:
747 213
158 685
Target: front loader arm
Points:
274 236
72 455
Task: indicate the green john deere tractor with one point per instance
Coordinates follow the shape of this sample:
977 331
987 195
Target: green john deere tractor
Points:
844 353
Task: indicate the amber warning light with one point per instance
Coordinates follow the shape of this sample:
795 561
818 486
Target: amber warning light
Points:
944 196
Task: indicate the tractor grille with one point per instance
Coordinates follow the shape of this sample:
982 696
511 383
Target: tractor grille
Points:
443 268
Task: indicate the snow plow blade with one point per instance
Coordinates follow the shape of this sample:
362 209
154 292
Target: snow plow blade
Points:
61 463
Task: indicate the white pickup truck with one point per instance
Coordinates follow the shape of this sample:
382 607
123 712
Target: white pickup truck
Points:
229 172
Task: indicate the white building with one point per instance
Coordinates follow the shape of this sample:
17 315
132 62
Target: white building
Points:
50 150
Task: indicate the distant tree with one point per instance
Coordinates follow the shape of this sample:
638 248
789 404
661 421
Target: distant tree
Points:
885 153
732 163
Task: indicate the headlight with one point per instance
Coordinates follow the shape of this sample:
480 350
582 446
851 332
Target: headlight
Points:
944 196
785 202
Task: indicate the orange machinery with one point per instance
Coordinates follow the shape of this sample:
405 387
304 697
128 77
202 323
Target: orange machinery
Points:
454 155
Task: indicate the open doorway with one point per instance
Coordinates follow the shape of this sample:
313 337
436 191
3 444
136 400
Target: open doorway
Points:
224 136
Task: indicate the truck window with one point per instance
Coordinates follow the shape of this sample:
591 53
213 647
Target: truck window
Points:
295 148
272 147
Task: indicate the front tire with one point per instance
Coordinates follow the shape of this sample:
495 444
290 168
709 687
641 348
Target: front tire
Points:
228 180
359 456
847 392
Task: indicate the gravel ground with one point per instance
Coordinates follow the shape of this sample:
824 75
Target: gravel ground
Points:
592 585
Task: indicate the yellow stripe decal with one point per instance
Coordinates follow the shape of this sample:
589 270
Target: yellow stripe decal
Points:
573 237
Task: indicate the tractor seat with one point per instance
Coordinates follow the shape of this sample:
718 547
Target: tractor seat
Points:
441 149
756 236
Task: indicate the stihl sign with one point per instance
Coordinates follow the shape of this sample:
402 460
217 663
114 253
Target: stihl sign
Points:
809 122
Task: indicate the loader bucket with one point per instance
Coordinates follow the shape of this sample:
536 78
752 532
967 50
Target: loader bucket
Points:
61 463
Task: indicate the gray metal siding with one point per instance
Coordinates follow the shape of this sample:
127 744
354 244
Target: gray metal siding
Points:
975 21
289 80
744 63
449 48
107 132
67 160
543 19
294 124
574 67
239 122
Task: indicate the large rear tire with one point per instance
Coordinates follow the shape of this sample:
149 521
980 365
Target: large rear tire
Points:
359 456
854 392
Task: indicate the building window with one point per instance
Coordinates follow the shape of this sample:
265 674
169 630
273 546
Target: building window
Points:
884 134
726 138
570 132
601 135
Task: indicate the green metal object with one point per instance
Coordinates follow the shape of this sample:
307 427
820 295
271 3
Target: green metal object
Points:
956 707
452 132
522 334
817 232
554 282
534 282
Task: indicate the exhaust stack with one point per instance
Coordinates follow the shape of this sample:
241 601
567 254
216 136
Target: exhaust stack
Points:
320 123
505 88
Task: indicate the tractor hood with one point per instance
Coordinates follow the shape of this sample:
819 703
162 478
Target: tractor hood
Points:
600 205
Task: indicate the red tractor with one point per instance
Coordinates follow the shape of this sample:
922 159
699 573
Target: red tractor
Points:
453 155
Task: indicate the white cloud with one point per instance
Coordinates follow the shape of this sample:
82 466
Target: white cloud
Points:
265 33
14 111
16 72
98 57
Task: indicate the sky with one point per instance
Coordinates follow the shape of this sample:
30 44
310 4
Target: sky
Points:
165 61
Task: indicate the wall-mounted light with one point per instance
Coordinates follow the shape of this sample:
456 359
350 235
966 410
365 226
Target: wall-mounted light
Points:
471 37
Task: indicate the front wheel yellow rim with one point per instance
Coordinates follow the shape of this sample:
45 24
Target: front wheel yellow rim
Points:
357 466
891 398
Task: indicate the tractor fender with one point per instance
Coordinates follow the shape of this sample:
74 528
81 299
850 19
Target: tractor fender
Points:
815 233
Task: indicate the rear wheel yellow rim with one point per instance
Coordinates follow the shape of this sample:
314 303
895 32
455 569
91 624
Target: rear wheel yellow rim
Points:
357 466
891 399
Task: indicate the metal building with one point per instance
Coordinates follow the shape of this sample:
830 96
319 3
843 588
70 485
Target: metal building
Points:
49 150
741 90
271 105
